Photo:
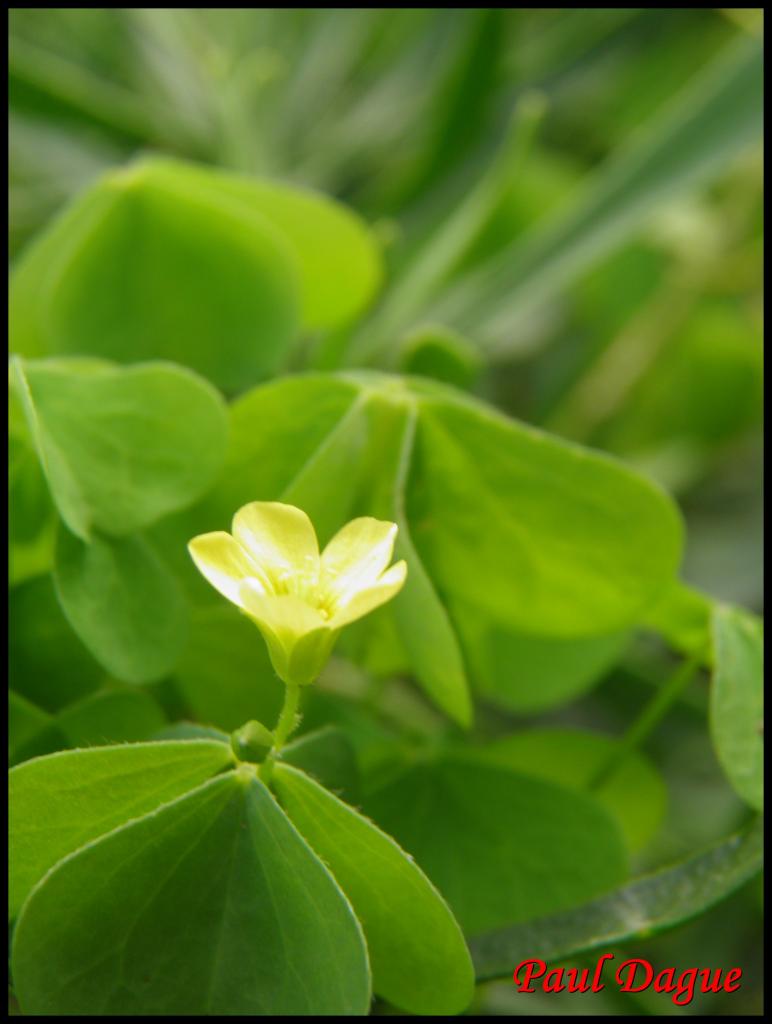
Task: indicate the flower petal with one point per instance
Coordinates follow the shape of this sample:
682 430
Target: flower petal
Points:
310 655
221 560
281 541
355 558
286 615
364 601
298 637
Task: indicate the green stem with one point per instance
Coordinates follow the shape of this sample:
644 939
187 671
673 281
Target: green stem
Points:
646 721
288 719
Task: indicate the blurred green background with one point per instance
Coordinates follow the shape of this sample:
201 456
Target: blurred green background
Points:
574 195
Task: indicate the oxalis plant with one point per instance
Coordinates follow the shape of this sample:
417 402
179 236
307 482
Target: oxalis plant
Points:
355 811
288 899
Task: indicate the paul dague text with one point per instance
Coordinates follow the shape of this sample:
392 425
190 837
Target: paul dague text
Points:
634 975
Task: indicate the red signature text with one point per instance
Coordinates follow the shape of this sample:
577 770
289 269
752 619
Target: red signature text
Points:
634 975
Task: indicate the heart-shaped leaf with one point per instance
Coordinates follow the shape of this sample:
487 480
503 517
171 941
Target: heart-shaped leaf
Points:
481 501
335 257
61 802
529 674
148 264
583 573
634 794
214 270
123 604
211 903
417 953
501 847
121 447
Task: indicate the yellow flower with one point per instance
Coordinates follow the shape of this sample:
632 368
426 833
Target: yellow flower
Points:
300 600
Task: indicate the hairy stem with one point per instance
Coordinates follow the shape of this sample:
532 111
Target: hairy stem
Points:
288 719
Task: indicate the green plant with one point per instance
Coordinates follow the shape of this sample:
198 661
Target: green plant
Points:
205 823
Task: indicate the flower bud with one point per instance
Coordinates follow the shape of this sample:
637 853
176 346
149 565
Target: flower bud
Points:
252 742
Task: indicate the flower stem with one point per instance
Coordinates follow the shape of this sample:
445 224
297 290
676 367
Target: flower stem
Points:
646 721
288 719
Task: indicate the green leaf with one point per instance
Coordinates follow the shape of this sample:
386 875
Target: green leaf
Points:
31 514
61 802
427 633
148 264
48 662
336 480
122 603
376 742
682 615
31 730
26 560
437 352
121 447
419 452
737 700
717 116
296 416
328 756
374 644
314 448
214 903
224 674
342 458
500 847
423 625
558 540
644 907
191 731
25 720
417 952
530 674
634 795
336 259
116 715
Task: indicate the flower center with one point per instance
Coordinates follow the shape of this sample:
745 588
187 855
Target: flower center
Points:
305 585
